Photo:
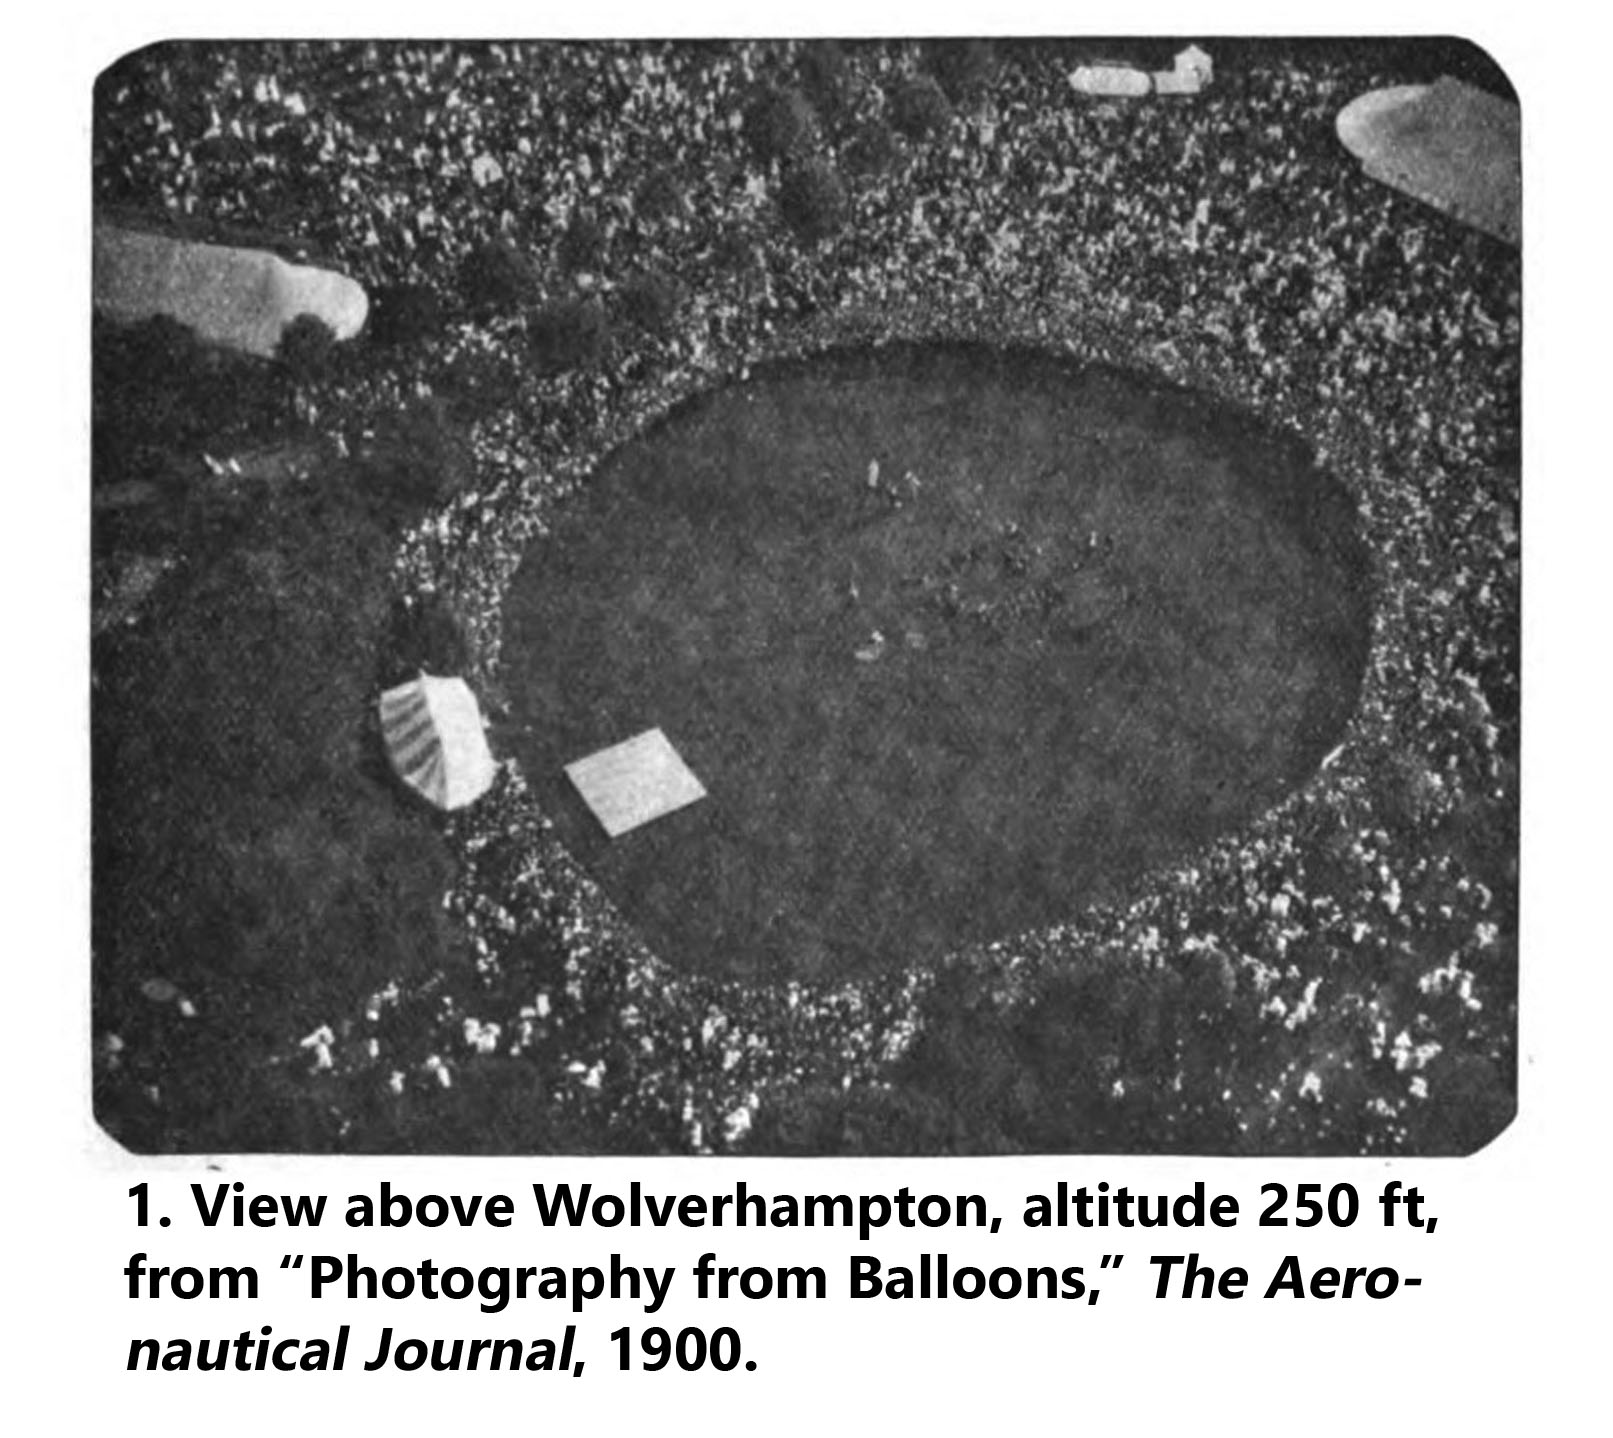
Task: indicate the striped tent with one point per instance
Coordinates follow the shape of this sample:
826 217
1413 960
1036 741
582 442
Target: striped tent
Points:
433 733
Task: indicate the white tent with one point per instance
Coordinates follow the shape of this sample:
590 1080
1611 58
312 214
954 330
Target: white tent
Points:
1110 80
635 781
1192 72
433 733
1448 144
236 297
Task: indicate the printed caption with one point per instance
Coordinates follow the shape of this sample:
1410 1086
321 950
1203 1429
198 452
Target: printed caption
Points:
1098 1237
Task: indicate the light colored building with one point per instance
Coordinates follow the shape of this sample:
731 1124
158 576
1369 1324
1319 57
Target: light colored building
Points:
1192 72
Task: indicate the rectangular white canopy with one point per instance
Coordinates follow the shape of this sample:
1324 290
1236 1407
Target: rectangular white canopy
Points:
635 781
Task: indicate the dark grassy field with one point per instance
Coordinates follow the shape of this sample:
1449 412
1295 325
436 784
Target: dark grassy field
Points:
1077 625
255 868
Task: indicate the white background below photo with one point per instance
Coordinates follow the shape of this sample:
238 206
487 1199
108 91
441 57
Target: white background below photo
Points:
1506 1331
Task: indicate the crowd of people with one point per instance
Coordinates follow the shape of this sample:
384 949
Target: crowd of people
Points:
1361 936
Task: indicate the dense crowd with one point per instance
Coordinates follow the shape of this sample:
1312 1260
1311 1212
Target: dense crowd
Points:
1346 967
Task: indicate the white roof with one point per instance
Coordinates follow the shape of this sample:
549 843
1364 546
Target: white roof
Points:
434 739
1179 81
635 781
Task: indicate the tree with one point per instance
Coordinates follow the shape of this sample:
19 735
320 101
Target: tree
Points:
919 108
403 315
812 200
826 76
569 334
423 632
496 276
417 460
872 150
780 125
582 246
660 197
964 68
307 348
650 300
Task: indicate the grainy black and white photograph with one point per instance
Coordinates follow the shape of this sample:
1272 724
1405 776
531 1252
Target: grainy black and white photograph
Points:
805 597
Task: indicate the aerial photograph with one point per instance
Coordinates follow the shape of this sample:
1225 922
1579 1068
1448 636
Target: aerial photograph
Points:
805 597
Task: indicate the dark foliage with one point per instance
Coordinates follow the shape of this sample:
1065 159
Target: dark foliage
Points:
402 315
1078 1068
582 246
1482 1101
963 68
307 348
873 150
569 334
423 632
780 125
828 1120
812 200
826 76
739 252
919 108
497 1105
414 462
498 276
158 393
660 197
124 351
649 300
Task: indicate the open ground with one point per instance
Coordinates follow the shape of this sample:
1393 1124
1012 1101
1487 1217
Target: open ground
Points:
961 641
